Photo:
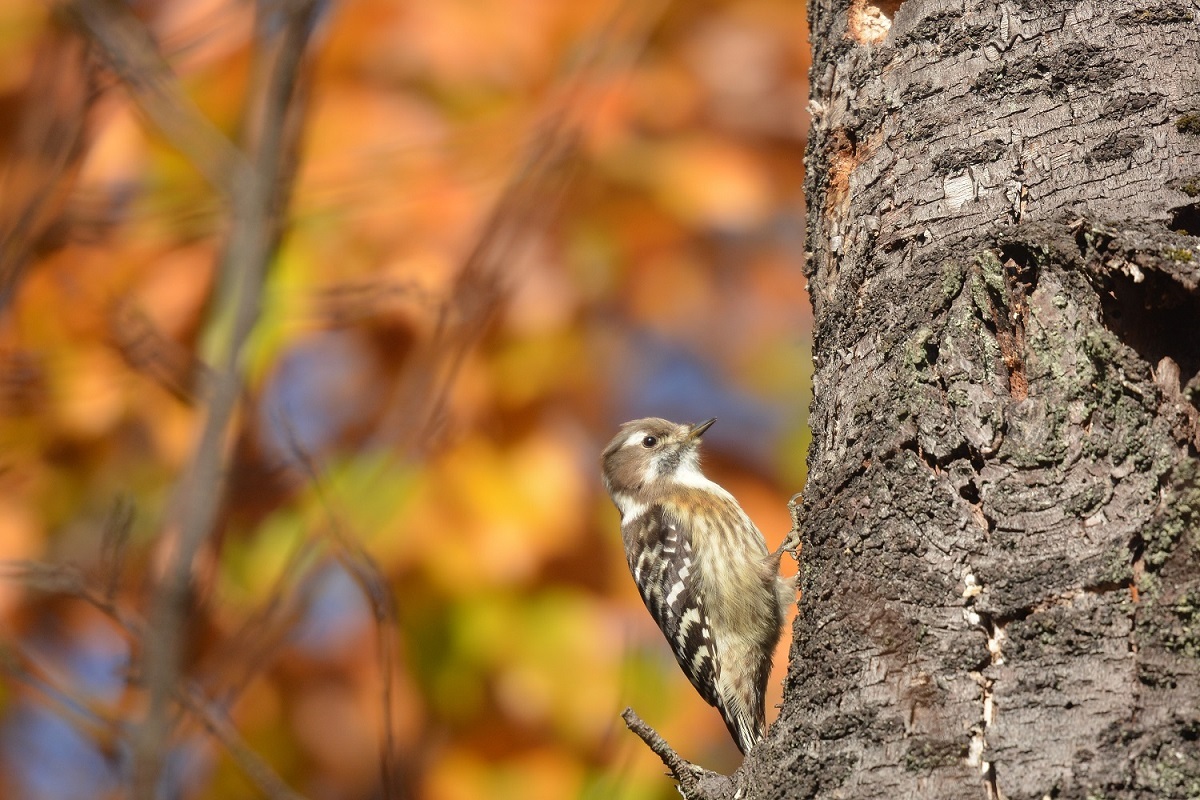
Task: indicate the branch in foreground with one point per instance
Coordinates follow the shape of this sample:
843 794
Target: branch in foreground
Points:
696 783
68 581
132 54
257 211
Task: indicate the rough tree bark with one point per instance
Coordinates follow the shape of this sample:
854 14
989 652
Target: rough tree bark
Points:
1001 580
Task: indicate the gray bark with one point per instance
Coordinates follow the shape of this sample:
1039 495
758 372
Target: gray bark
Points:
1001 563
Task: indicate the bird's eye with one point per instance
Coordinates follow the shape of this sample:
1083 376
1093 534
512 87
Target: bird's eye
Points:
649 441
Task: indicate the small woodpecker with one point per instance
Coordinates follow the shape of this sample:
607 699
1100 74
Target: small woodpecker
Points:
701 566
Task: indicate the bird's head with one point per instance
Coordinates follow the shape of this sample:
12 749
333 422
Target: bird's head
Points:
650 455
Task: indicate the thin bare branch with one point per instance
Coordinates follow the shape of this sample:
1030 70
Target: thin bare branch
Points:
374 586
523 208
249 650
30 669
45 156
114 543
192 699
68 581
133 55
259 200
695 783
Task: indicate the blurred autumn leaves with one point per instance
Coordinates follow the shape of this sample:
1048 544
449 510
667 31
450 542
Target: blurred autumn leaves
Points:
514 224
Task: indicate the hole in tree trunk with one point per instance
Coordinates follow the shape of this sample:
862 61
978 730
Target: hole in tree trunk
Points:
1156 317
1186 219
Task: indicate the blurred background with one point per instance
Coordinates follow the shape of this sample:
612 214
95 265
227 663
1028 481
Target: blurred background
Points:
513 225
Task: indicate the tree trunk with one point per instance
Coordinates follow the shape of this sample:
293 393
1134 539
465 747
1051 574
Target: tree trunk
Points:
1001 563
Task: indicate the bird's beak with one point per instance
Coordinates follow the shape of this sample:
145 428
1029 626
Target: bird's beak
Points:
698 430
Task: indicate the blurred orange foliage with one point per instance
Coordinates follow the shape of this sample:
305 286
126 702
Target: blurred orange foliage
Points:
393 410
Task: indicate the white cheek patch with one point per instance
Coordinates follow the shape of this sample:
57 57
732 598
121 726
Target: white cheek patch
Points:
635 438
629 508
689 475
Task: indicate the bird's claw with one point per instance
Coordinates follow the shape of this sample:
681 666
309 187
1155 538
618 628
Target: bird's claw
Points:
791 544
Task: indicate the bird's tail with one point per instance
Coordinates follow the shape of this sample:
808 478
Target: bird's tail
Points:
745 717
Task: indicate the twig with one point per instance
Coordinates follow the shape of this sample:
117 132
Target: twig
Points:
355 559
248 650
526 202
50 139
217 723
259 200
113 544
68 581
187 694
696 783
134 57
26 667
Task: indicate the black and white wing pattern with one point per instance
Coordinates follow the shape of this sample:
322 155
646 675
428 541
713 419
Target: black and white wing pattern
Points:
662 561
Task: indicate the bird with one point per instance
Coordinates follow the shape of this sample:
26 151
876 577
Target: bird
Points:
701 566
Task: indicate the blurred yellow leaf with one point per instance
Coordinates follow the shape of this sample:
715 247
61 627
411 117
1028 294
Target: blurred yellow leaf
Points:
713 182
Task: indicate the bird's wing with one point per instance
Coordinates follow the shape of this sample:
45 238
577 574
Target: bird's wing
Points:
665 572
